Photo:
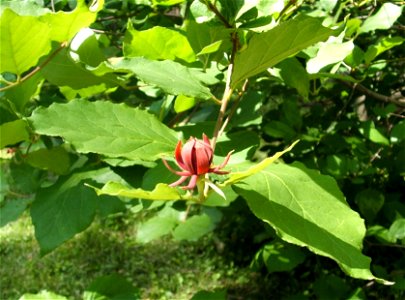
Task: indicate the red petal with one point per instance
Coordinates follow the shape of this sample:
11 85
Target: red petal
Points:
191 185
177 154
204 155
180 181
188 155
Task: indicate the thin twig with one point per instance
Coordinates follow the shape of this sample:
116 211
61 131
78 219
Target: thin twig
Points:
397 99
234 107
227 92
217 13
384 245
36 70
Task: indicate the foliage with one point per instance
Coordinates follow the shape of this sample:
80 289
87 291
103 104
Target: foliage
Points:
95 95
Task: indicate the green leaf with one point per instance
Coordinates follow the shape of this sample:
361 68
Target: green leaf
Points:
157 43
308 209
279 257
13 132
115 130
295 75
162 224
55 159
183 103
369 201
63 71
170 76
64 25
397 229
382 45
22 93
60 212
239 176
11 209
212 48
85 48
43 295
266 49
383 19
398 132
166 2
373 134
24 8
23 40
249 109
279 129
331 287
329 53
66 208
111 287
194 228
206 39
161 192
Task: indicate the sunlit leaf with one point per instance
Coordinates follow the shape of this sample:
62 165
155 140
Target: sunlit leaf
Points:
115 130
266 49
157 43
238 176
64 25
383 19
18 34
308 209
170 76
329 53
161 192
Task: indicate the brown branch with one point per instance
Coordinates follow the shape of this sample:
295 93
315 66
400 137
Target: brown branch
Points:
234 107
36 70
227 92
217 13
395 98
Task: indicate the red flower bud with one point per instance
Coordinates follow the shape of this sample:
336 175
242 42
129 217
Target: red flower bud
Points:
195 159
196 155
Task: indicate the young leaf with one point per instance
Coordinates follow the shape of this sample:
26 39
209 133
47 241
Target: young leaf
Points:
161 192
170 76
238 176
23 40
157 43
308 209
266 49
115 130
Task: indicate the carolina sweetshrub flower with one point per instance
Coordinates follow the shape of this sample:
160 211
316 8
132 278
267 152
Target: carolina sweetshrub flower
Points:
195 160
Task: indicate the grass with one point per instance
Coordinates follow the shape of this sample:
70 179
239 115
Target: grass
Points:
161 270
166 269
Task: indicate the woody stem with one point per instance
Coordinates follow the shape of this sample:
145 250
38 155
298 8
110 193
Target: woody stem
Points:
227 92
